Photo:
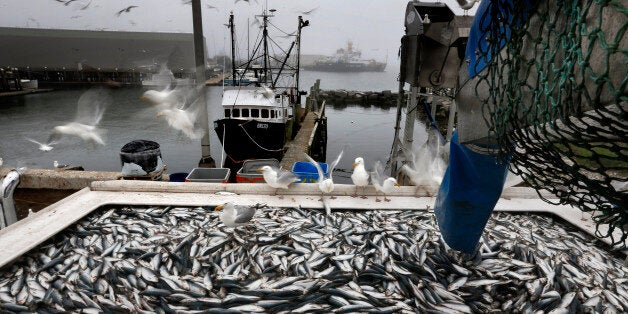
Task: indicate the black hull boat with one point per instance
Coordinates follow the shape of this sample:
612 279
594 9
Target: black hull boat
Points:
260 102
251 139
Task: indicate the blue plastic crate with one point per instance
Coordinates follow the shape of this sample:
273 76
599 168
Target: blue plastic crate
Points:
307 172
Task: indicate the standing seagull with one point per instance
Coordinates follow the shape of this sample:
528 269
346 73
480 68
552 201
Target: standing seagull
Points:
59 166
90 110
236 215
277 178
127 10
359 177
326 185
381 182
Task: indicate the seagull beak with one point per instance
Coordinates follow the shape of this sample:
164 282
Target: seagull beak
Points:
260 170
354 165
219 207
397 184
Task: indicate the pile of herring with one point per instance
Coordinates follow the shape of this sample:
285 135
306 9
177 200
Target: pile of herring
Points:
179 259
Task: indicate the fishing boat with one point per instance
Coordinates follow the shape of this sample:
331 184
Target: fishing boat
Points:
258 104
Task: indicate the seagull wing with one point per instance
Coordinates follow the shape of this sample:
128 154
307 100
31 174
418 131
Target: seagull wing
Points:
335 163
34 141
321 176
244 214
378 173
286 177
91 106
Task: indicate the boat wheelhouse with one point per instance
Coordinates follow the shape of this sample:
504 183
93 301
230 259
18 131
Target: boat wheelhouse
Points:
255 122
258 105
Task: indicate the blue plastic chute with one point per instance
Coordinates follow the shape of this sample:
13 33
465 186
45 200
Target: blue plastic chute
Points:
468 193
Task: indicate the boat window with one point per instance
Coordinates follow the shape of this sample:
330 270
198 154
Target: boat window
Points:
272 114
254 113
279 113
265 113
227 113
245 113
236 113
285 112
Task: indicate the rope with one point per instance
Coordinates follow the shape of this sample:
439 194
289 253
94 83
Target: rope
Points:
556 100
255 142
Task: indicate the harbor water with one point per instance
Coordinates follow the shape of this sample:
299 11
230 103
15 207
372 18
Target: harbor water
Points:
362 129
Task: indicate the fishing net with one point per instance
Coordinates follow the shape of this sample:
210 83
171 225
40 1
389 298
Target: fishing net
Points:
554 98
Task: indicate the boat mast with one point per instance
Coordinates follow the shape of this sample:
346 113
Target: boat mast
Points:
265 36
302 24
233 67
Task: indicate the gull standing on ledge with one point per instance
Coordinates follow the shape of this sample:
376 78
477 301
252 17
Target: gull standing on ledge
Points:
381 182
326 185
236 215
359 177
277 178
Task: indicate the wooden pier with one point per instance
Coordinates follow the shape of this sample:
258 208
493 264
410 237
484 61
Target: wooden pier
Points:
312 136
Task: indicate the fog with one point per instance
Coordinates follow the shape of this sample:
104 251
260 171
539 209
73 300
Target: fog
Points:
374 26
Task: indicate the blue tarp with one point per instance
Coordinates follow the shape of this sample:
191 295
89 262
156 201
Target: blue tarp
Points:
468 193
479 52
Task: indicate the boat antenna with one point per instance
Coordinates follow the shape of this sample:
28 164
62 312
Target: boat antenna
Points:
233 67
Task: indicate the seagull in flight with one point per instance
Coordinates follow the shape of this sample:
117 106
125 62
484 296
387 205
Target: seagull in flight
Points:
44 147
308 12
90 110
247 1
86 6
209 6
179 107
326 185
127 10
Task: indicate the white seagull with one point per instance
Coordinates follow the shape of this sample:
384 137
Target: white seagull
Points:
360 176
427 165
59 166
277 178
179 107
326 185
381 182
90 110
236 215
45 147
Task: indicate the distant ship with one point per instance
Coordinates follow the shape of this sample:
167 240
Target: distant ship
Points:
346 60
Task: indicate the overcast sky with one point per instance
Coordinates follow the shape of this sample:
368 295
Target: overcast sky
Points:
374 26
